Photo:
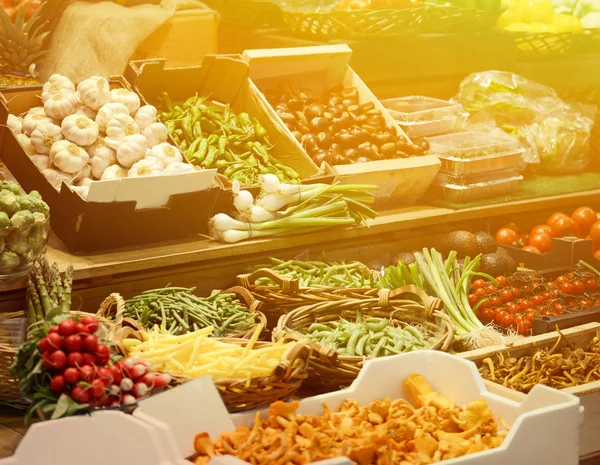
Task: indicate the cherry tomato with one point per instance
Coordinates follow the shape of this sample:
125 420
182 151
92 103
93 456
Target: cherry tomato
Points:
490 289
523 239
562 279
565 227
538 299
512 226
525 304
506 296
478 284
485 304
578 287
566 288
526 289
524 327
480 292
546 296
502 281
590 284
541 241
556 216
473 299
532 249
540 229
558 307
506 236
513 308
597 254
504 319
487 315
495 301
586 303
529 316
585 218
551 284
555 292
516 292
595 235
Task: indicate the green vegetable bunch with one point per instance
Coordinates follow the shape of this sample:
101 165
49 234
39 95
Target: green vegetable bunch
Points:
24 227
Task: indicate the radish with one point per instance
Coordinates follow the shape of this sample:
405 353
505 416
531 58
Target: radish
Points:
75 360
87 373
44 344
67 327
145 363
105 375
58 359
140 390
46 359
114 403
116 373
97 389
148 379
57 384
53 329
73 343
128 399
82 329
126 365
102 355
89 359
55 341
161 380
71 375
91 344
80 395
91 323
138 371
114 390
126 385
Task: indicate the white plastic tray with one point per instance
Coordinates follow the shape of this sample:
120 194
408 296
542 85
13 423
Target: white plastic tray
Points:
544 427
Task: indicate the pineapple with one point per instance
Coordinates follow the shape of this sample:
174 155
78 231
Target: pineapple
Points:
21 46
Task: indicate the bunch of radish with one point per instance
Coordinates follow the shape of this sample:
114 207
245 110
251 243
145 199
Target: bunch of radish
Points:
79 365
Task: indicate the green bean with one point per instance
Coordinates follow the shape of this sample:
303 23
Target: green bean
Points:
360 347
351 346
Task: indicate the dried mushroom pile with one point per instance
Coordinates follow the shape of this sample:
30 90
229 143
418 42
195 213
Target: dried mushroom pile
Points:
385 432
564 365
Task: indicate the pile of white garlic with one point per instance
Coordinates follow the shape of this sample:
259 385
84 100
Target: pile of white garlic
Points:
90 133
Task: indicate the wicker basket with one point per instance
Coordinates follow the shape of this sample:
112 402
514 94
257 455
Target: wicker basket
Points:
544 43
287 295
454 20
240 395
13 331
354 24
330 371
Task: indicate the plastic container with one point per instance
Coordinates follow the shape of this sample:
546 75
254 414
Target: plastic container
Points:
416 109
471 192
472 145
475 178
21 246
485 164
416 130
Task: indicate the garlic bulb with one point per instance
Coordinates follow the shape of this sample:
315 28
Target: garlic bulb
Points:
61 105
114 172
31 121
165 153
56 84
94 92
85 182
120 127
56 178
83 191
15 123
98 147
36 110
156 133
86 111
102 160
85 172
126 97
146 167
177 167
108 112
41 161
25 142
131 149
145 116
68 157
80 130
44 136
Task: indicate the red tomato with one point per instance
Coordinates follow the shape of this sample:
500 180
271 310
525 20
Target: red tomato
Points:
487 315
526 289
478 284
516 292
546 295
566 288
525 304
480 292
490 289
502 281
597 254
541 229
524 327
473 299
591 284
595 235
484 304
562 279
506 236
565 227
541 241
529 316
586 303
556 216
512 226
506 296
513 308
585 218
495 301
532 249
504 319
578 287
538 299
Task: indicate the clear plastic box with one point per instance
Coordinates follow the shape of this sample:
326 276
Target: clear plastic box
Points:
472 145
419 109
475 178
418 129
482 165
478 191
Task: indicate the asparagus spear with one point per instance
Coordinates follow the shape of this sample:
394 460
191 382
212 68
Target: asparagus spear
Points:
47 304
58 284
48 276
34 298
66 302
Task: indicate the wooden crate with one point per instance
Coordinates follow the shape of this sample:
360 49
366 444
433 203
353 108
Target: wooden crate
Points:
589 394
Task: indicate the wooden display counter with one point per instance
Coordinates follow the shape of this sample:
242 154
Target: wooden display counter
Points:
208 265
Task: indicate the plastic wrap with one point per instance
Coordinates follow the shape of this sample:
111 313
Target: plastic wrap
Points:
557 133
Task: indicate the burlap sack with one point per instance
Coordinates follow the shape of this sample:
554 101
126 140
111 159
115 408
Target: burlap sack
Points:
99 38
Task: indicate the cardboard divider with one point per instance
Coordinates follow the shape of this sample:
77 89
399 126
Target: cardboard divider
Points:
317 68
125 212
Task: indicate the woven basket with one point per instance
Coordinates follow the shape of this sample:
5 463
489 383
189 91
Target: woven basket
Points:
11 337
354 24
450 19
543 44
240 395
287 295
329 371
588 42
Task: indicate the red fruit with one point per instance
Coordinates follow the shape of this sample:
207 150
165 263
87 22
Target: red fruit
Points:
473 299
591 284
58 359
75 360
566 288
47 362
91 322
82 329
80 395
44 345
105 375
102 354
73 343
161 380
565 227
148 379
578 287
91 344
55 341
506 295
71 375
87 373
57 384
140 390
97 388
53 329
506 236
127 399
502 281
116 373
89 359
67 327
585 218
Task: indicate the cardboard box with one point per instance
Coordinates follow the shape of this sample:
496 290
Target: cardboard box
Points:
125 212
317 68
565 251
